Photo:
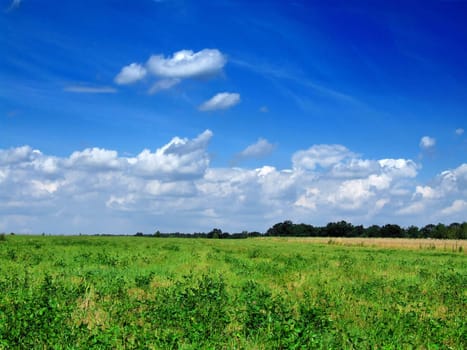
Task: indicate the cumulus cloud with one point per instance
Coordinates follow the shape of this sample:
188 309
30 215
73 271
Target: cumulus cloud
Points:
260 148
320 155
459 131
352 185
94 159
172 70
458 206
175 187
222 100
131 74
17 155
411 209
187 64
399 167
427 142
426 192
180 158
441 196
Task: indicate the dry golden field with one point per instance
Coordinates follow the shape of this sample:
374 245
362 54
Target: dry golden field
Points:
391 243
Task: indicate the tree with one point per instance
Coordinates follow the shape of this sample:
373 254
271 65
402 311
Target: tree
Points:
373 231
462 231
339 229
440 231
427 231
413 232
281 229
391 231
215 233
358 231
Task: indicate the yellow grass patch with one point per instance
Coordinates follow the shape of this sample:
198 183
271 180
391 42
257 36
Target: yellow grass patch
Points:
89 313
390 243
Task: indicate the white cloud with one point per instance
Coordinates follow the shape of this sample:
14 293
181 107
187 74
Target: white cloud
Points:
412 209
81 89
172 70
458 206
309 199
459 131
171 189
354 167
16 155
320 155
187 64
175 187
95 159
131 74
427 142
180 158
399 167
351 194
261 148
222 100
163 84
264 109
426 192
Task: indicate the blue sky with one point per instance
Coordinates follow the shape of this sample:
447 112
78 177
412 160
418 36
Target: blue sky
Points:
188 115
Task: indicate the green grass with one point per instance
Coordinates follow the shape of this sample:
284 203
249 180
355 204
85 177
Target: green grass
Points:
129 292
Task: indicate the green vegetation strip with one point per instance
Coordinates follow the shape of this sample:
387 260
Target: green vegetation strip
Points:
131 293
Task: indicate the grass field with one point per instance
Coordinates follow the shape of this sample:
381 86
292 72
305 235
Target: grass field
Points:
266 293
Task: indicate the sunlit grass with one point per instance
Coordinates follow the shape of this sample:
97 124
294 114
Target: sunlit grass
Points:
131 292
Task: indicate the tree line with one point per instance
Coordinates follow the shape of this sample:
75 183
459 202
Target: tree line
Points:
334 229
346 229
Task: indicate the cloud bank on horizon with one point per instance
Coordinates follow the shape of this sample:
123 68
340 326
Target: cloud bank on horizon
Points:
176 188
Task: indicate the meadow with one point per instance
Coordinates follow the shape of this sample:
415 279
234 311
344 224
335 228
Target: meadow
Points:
82 292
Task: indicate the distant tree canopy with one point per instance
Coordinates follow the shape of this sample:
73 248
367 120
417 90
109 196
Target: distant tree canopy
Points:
346 229
333 229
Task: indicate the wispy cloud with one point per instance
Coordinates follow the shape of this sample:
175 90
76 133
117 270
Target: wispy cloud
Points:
163 84
259 149
14 5
459 131
427 142
81 89
223 100
270 71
